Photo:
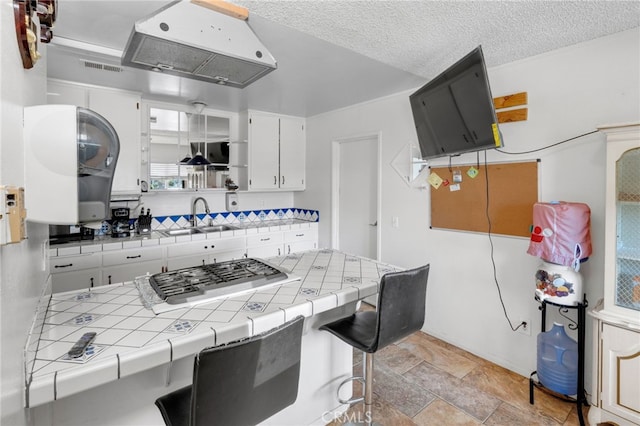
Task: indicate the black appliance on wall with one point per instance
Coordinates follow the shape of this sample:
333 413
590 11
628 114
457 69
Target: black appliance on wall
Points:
454 112
120 222
61 234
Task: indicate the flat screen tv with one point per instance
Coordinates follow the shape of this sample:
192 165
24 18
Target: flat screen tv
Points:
454 112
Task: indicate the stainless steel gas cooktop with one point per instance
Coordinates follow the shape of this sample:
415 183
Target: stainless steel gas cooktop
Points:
214 280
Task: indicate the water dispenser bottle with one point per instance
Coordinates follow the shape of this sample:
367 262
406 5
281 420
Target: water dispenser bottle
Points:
558 360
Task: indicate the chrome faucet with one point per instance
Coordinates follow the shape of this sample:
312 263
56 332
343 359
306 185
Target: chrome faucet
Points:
194 220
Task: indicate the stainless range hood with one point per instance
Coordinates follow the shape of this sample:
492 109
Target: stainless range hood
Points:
191 41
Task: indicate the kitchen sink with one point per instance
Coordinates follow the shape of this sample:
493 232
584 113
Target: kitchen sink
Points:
216 228
181 231
199 230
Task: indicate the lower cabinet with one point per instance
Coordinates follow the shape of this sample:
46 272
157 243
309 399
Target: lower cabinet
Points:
301 239
75 272
616 373
75 280
121 273
125 265
268 244
197 253
80 271
223 256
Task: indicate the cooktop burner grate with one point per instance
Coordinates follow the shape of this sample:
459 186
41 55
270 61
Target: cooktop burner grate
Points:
195 283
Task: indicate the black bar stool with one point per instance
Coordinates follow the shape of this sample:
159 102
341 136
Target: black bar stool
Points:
400 312
242 383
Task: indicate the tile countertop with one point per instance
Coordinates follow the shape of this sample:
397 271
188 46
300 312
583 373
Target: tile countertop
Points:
131 339
155 238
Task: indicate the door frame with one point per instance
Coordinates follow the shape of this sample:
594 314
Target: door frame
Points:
335 181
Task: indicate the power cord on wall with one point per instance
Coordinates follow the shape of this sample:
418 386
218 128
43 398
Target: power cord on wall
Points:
544 147
493 263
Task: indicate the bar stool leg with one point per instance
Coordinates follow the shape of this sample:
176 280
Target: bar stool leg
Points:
368 389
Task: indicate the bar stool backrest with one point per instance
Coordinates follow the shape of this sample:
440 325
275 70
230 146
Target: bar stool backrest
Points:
401 305
246 382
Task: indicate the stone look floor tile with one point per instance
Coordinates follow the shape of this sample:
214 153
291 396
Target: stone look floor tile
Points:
397 359
440 413
507 414
459 389
514 389
437 356
383 414
407 397
434 341
473 401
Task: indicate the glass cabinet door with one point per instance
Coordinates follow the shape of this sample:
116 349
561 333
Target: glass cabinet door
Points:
627 291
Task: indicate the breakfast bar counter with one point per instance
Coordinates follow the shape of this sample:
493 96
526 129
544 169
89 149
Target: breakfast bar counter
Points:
138 356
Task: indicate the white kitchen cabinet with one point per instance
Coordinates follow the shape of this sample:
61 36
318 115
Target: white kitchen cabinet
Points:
276 152
122 110
620 393
267 244
292 153
122 273
124 265
75 280
616 351
301 239
197 253
79 271
75 272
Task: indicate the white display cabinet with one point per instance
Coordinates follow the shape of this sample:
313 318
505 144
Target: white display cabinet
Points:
616 352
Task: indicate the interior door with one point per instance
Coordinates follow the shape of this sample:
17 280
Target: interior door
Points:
358 197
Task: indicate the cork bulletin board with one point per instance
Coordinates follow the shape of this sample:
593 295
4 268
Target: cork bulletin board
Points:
459 197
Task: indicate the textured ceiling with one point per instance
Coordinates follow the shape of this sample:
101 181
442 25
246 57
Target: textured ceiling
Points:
425 37
332 54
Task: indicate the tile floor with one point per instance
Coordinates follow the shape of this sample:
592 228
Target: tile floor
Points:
422 380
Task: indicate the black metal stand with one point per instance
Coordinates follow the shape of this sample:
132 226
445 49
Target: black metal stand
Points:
581 397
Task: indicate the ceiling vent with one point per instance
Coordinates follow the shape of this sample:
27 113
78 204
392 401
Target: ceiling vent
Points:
101 67
192 41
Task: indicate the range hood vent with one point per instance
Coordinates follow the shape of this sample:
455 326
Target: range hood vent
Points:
191 41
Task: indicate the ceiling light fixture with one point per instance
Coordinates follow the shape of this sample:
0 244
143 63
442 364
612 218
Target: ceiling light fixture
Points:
198 106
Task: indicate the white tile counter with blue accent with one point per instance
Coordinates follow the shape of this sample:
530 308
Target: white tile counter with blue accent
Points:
138 356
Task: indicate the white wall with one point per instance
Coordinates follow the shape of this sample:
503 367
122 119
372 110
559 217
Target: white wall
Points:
23 269
571 91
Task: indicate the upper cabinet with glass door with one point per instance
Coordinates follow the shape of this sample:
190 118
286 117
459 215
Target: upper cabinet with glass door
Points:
622 244
187 150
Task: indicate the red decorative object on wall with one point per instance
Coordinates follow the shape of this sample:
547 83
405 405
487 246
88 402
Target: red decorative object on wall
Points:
27 27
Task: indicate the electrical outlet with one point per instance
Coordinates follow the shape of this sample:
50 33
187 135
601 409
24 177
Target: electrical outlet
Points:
525 328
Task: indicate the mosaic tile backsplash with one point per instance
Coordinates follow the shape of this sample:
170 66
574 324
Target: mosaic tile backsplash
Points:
160 223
